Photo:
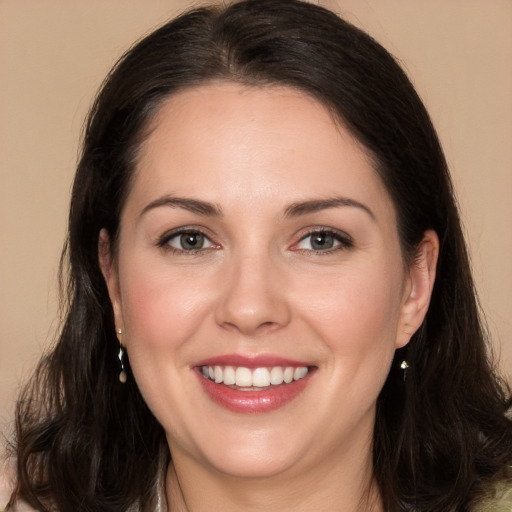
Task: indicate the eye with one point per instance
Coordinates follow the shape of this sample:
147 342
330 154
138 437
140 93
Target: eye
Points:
187 241
323 241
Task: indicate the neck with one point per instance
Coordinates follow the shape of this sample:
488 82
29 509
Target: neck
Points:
192 487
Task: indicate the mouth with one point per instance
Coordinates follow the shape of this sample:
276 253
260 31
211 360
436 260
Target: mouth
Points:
251 379
256 385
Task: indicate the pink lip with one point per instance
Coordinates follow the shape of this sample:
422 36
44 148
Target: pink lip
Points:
258 361
251 402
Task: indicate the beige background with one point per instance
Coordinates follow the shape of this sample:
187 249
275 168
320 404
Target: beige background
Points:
55 53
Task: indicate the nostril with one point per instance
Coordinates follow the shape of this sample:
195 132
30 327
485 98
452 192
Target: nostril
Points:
252 329
269 326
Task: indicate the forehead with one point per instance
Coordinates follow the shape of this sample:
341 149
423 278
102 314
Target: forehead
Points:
224 140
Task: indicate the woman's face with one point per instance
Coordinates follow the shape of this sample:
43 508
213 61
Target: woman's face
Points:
258 246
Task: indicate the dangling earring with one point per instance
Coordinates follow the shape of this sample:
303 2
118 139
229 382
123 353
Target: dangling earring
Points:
122 373
403 366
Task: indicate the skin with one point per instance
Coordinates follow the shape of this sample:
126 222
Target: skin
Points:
259 287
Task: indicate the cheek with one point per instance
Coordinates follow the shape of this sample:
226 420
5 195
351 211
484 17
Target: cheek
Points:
157 303
161 314
357 315
162 310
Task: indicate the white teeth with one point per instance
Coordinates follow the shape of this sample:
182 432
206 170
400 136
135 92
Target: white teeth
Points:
257 377
300 373
288 375
243 377
229 376
276 376
260 378
217 372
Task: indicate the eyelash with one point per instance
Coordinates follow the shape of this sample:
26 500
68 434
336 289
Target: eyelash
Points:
344 241
163 241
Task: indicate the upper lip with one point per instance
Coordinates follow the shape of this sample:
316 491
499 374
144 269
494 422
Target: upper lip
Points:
250 361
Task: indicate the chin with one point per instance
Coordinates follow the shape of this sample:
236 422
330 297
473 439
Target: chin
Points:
254 454
259 464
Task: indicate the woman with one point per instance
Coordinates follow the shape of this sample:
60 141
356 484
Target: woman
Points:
270 302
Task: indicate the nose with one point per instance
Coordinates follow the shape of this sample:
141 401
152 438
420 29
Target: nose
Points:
253 297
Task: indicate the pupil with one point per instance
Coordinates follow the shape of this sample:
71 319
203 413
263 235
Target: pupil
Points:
322 241
192 241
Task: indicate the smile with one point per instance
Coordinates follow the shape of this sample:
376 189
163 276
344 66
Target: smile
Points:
247 379
251 385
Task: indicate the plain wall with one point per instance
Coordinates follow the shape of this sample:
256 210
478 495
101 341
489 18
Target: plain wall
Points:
55 53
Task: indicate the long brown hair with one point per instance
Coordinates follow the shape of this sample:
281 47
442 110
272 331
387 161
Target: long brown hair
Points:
85 442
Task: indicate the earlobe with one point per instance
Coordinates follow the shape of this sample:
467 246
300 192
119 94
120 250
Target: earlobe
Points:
107 266
421 278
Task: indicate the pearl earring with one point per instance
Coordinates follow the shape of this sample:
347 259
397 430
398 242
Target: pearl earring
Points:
403 366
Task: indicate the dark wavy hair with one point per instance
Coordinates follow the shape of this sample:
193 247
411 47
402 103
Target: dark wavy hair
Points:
86 442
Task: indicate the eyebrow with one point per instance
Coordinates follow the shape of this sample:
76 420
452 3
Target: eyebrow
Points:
192 205
293 210
315 205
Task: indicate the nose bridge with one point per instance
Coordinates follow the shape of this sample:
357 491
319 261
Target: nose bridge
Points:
252 299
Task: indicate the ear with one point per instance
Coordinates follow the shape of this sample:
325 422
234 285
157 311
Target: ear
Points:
418 288
108 269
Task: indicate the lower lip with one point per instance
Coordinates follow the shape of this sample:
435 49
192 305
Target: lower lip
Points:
252 402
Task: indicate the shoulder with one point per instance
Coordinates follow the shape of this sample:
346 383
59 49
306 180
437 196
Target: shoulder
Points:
499 500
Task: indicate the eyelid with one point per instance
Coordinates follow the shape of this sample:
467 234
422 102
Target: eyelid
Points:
163 240
344 239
